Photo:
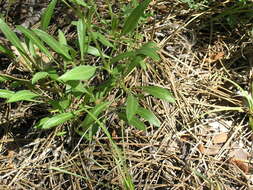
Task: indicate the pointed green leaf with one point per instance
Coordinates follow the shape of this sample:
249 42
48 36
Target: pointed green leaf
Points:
22 95
6 51
150 45
96 111
61 133
41 122
132 21
52 73
150 52
143 65
3 79
76 87
38 76
94 51
103 39
64 171
138 124
32 36
135 62
61 104
11 36
149 116
251 122
6 93
61 37
31 48
131 107
81 33
82 72
159 92
57 120
47 15
149 49
53 43
122 56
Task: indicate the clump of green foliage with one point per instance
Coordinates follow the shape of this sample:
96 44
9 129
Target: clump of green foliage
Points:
66 82
75 89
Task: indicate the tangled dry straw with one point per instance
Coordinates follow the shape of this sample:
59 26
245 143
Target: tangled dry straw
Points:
203 143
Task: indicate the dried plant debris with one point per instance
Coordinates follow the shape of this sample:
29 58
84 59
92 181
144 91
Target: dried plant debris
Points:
239 157
203 142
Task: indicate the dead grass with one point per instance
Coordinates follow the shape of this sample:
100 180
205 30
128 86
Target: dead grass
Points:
198 146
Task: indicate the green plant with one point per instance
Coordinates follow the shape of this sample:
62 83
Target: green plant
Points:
77 91
70 85
246 108
248 97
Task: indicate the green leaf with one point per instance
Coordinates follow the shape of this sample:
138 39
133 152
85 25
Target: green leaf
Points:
57 120
94 51
60 104
104 88
149 116
136 61
53 43
6 93
96 111
131 107
150 53
159 92
3 79
64 171
38 76
16 84
11 36
81 33
6 51
251 122
82 72
41 122
61 37
61 133
132 21
150 45
32 36
114 23
47 15
149 50
138 124
122 56
52 73
72 84
103 39
22 95
143 65
31 48
76 87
